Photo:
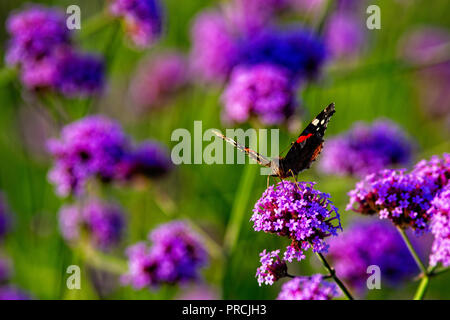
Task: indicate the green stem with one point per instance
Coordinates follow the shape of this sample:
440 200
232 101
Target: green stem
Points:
101 260
422 289
334 276
413 251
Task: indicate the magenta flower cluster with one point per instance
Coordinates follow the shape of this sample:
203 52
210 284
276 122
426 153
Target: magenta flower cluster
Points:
436 170
158 79
174 257
262 91
142 19
367 149
96 147
366 243
395 195
440 227
101 222
41 45
302 214
272 267
308 288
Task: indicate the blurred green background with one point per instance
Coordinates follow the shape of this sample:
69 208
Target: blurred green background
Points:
377 86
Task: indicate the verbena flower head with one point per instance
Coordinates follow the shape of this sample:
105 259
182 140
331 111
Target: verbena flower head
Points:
13 293
436 170
298 50
308 288
149 160
175 257
142 19
303 215
344 35
262 91
367 243
101 222
90 147
272 267
214 49
79 74
402 198
367 149
440 227
158 79
36 32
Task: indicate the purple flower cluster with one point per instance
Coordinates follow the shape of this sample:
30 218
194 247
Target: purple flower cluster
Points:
92 146
436 170
402 198
158 79
371 243
40 43
96 147
366 149
296 49
272 267
149 160
214 50
308 288
301 214
344 35
175 256
142 19
440 227
103 223
264 91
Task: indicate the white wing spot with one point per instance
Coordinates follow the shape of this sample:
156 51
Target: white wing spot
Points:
315 122
322 122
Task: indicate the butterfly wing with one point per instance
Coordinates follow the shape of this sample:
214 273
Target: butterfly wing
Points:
251 153
308 145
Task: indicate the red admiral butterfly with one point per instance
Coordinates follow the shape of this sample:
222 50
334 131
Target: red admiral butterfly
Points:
302 153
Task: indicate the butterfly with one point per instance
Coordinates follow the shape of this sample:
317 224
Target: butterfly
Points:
302 153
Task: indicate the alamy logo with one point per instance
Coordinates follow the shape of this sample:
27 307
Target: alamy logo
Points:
74 280
74 20
374 280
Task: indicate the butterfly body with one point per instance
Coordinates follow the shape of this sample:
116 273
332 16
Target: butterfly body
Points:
303 151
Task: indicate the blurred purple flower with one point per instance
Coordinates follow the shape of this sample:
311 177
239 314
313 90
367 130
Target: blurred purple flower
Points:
436 170
36 33
214 49
272 267
264 91
250 16
371 243
366 149
13 293
103 223
158 79
344 35
308 288
142 18
402 198
79 74
302 214
90 147
440 227
427 47
307 6
199 292
150 160
175 257
297 49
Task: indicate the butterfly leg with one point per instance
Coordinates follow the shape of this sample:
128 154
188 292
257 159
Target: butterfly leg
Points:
268 180
295 179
